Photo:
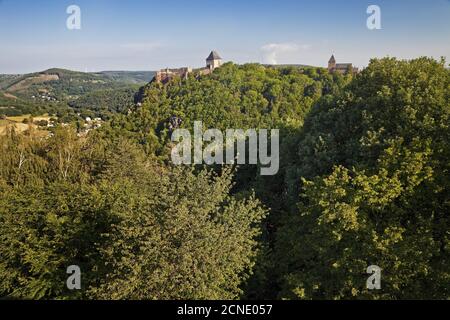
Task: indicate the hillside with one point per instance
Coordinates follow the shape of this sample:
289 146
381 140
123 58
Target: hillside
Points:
104 103
363 175
61 84
55 89
12 105
363 181
7 79
137 77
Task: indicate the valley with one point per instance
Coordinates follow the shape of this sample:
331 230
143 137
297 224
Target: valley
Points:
71 95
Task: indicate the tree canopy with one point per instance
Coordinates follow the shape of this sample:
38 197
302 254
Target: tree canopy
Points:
363 180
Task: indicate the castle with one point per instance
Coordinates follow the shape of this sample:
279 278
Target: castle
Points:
342 68
213 61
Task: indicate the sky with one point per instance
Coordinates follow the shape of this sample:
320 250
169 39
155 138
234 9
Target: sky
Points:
150 35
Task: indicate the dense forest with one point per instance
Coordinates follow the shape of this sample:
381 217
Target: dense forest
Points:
106 103
16 107
363 180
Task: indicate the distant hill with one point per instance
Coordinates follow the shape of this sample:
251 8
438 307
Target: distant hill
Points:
62 84
7 79
137 77
59 88
11 105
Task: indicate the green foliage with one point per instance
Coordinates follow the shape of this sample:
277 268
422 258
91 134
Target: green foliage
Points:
17 107
248 96
67 83
374 162
181 236
135 228
363 180
101 93
7 79
106 103
131 77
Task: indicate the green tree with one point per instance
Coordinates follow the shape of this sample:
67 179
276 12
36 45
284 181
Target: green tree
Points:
180 236
375 170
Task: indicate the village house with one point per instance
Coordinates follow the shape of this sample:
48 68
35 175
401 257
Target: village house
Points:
342 68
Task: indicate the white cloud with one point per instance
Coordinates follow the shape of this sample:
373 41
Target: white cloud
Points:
272 51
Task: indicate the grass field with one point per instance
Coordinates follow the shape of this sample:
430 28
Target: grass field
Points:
19 126
27 116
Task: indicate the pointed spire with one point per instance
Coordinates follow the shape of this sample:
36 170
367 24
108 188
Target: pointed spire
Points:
213 56
332 59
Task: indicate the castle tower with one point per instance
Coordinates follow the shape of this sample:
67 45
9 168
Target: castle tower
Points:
213 61
332 63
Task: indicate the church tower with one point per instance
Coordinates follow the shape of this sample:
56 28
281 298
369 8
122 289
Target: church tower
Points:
332 63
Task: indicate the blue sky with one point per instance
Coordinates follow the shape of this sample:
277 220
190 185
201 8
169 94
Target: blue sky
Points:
149 35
